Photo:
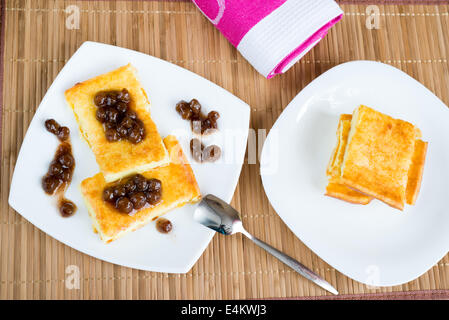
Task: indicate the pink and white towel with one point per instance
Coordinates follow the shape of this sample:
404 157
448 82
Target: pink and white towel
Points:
272 34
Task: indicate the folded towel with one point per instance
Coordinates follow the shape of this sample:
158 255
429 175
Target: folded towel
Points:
272 34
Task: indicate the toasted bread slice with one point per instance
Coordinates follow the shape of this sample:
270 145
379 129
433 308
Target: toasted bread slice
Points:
342 192
335 187
344 125
121 158
378 156
338 190
415 172
178 188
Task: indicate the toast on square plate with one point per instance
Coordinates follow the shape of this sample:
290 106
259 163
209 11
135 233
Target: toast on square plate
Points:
179 187
118 158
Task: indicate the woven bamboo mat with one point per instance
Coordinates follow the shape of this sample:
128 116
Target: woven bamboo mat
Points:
37 44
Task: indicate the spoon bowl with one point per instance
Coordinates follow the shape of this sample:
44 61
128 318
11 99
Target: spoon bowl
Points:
217 215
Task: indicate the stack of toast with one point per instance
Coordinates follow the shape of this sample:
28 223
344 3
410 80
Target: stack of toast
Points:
152 157
376 156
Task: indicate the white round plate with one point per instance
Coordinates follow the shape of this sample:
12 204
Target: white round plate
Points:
374 244
165 84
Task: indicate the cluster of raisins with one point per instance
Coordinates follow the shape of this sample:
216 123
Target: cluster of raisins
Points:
201 123
61 169
63 133
134 193
119 121
200 153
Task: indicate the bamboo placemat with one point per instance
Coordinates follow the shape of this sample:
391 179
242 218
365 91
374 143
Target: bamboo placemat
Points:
35 46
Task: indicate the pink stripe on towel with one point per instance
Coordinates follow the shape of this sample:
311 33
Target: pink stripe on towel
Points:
303 48
272 34
235 18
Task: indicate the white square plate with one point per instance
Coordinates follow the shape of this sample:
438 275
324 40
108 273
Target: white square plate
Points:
165 85
374 244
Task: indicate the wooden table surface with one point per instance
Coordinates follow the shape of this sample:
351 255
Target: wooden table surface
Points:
35 45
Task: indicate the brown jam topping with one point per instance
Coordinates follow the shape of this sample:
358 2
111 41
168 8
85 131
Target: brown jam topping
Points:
196 149
63 133
66 207
200 153
164 225
212 153
134 193
201 123
118 120
61 169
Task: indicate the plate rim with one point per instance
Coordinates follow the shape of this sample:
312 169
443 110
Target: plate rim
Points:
98 255
311 86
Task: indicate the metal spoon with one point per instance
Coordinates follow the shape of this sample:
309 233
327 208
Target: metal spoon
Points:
217 215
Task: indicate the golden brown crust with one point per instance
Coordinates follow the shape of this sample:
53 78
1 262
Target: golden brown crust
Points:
416 171
340 131
117 159
336 188
344 193
378 156
179 187
344 126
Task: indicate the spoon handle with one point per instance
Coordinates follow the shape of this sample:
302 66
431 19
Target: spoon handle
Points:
292 263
